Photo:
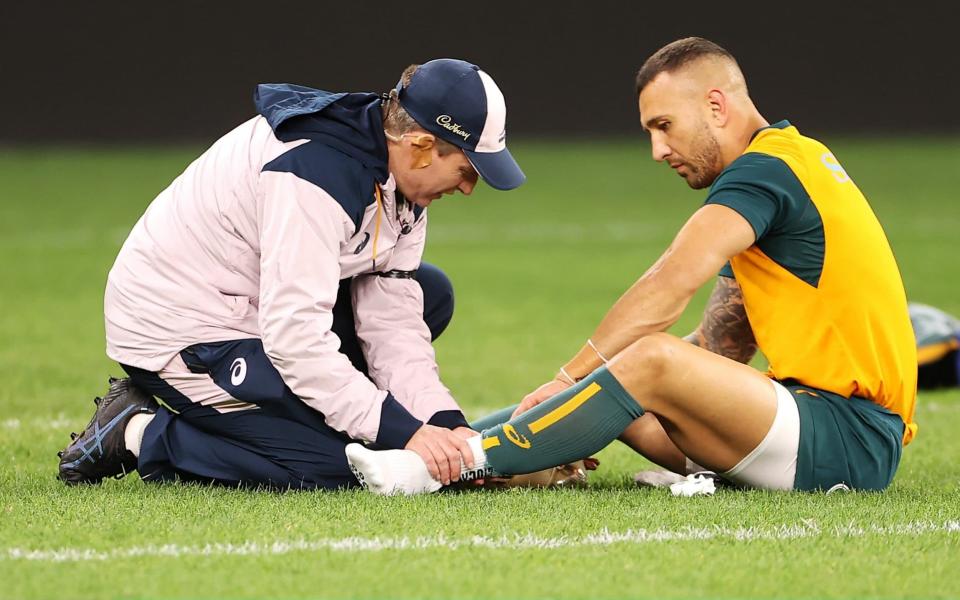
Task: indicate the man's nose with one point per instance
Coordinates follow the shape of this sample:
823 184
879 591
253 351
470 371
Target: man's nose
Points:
466 186
659 148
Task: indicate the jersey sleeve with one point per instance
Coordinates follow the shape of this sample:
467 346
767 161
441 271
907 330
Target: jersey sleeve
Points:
751 186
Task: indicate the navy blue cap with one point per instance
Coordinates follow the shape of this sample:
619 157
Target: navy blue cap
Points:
459 103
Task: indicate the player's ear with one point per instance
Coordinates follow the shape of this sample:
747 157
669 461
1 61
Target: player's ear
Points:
717 103
422 146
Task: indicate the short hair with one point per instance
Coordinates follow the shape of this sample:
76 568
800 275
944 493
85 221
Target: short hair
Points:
397 120
676 55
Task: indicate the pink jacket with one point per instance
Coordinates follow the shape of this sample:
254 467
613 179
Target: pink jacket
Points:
231 251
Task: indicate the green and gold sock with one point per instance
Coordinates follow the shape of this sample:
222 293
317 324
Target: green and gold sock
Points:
492 420
570 426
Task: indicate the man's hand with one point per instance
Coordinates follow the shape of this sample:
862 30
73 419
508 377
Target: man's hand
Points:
441 449
465 432
540 394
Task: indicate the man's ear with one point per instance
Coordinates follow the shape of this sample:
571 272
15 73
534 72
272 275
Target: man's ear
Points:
717 101
422 146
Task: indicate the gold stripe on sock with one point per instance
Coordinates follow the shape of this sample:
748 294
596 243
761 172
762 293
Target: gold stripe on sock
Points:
564 409
490 442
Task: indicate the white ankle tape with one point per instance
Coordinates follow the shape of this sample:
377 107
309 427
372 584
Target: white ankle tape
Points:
480 468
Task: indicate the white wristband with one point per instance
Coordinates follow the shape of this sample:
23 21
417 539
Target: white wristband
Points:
602 357
567 375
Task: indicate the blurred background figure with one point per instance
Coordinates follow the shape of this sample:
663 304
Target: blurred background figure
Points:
938 346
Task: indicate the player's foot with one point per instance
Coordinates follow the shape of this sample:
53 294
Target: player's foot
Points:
571 475
657 478
664 478
99 450
390 472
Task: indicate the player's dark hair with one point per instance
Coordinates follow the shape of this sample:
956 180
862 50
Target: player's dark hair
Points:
676 55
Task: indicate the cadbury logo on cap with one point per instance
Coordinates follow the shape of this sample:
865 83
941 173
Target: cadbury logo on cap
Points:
445 121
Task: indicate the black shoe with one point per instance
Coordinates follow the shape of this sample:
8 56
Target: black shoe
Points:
99 451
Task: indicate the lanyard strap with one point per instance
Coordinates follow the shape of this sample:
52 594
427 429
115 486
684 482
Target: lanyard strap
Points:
376 229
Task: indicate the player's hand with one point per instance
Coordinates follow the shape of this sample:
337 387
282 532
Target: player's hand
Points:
540 394
441 449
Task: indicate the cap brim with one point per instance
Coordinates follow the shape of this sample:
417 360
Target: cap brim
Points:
498 169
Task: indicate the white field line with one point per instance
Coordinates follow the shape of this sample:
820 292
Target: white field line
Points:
65 238
618 231
62 423
629 230
603 537
939 406
539 231
53 422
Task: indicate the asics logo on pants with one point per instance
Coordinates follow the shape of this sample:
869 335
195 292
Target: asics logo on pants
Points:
238 371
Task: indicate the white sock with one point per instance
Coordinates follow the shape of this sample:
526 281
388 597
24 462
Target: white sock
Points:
133 434
480 467
390 472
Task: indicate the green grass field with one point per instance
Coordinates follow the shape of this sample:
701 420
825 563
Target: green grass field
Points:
534 272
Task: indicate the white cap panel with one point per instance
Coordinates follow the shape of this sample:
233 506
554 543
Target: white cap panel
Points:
494 135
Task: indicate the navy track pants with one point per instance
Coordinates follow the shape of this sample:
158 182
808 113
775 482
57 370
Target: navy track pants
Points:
208 433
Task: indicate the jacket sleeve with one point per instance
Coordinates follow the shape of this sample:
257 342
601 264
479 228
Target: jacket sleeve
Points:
396 340
301 230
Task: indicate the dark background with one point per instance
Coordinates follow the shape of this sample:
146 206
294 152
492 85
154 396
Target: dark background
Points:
185 71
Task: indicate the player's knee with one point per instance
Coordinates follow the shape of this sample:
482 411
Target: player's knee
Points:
437 298
650 358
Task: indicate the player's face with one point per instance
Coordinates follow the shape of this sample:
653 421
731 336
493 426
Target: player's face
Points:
445 174
675 116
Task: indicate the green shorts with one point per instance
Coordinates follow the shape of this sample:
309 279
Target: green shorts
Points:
852 441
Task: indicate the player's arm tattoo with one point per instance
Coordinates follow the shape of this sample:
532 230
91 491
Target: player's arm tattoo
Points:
725 329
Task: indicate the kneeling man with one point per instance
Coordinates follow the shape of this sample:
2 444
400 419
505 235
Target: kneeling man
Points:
273 299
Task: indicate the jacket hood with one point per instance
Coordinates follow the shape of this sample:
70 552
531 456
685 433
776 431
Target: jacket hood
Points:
349 122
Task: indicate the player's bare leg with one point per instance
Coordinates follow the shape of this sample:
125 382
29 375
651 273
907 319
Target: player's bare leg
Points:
647 436
714 410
